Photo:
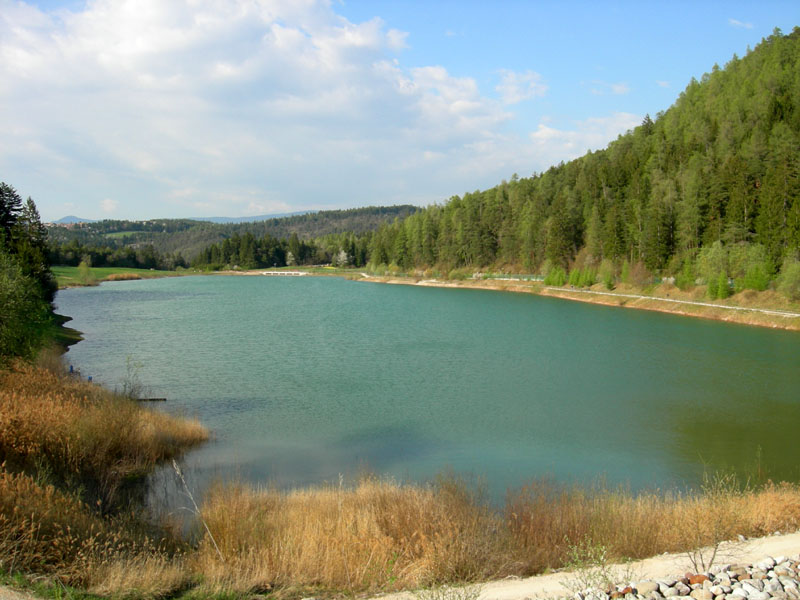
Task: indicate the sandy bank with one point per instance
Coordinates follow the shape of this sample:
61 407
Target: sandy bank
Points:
762 309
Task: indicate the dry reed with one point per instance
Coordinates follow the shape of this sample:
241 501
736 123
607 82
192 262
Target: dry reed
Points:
74 430
385 536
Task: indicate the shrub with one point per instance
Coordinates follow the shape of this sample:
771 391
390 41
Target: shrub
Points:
756 278
24 314
723 286
555 276
606 273
575 278
789 280
685 280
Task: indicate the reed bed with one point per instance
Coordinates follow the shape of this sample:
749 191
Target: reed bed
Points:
73 431
379 535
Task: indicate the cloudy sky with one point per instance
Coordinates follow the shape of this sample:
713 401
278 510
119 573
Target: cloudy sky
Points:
175 108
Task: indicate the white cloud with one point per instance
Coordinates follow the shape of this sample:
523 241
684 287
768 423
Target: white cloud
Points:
663 84
743 25
589 134
620 88
201 107
109 206
516 87
601 88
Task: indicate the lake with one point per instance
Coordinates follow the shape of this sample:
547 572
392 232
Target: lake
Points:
302 379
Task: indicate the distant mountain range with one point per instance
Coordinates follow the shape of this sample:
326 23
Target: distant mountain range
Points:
69 219
72 219
251 219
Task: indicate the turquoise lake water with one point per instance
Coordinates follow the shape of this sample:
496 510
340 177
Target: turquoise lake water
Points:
303 379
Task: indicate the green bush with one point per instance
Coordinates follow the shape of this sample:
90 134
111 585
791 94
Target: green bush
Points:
686 278
575 278
606 274
756 278
723 287
789 279
555 276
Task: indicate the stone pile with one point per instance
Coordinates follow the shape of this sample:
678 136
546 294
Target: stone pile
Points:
777 578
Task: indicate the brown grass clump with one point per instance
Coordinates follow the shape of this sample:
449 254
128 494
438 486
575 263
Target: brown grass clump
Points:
384 536
377 535
46 531
122 277
546 520
78 431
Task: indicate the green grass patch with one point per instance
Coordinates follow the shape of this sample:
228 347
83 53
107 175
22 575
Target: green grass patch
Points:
121 234
70 276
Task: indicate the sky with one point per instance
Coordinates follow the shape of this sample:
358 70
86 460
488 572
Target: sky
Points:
140 109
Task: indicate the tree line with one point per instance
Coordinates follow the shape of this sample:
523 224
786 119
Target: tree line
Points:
175 242
27 286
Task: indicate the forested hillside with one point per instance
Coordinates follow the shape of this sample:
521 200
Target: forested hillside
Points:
716 178
168 243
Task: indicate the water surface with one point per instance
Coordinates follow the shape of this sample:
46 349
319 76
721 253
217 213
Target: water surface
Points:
303 379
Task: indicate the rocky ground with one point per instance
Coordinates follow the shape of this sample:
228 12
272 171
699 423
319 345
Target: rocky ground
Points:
769 578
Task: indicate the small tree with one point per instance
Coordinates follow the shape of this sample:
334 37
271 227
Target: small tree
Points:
85 275
723 287
789 279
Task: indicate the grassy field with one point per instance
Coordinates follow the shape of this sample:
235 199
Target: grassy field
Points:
71 277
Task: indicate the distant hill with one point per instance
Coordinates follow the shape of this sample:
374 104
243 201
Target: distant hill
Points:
251 219
69 219
189 236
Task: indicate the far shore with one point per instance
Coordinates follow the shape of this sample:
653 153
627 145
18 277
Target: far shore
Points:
762 309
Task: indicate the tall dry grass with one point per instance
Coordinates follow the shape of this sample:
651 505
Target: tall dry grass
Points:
49 532
383 536
66 448
76 432
376 535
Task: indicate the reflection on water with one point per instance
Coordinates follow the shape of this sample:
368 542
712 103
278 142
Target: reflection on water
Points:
306 379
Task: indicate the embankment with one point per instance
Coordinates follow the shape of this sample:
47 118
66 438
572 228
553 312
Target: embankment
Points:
762 309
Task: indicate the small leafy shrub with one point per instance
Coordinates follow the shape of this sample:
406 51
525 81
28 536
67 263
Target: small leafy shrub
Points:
789 280
686 278
756 278
723 287
606 274
555 276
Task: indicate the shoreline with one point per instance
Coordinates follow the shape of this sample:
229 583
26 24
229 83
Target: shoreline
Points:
743 308
673 301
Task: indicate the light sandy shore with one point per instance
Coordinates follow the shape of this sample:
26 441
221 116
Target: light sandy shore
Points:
742 308
658 567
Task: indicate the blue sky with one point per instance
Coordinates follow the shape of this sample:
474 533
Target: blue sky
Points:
146 108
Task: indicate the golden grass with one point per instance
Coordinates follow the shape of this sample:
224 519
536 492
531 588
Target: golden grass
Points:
378 535
55 429
382 536
122 277
75 429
